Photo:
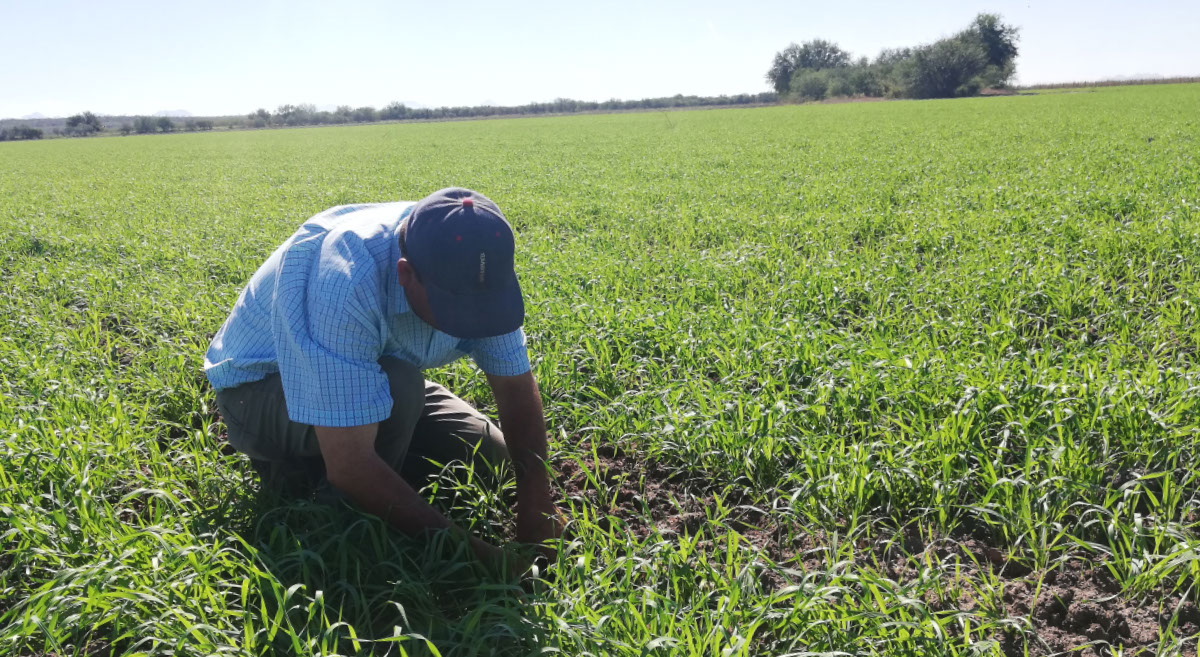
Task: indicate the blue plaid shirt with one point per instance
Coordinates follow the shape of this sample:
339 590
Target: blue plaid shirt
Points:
322 311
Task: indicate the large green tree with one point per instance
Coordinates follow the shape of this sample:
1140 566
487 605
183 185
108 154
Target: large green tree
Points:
999 43
999 39
981 55
945 69
814 55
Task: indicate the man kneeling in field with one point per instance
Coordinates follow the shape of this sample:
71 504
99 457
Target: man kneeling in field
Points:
318 367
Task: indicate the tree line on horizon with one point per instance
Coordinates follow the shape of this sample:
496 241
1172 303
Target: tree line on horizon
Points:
145 125
307 114
981 56
87 123
20 133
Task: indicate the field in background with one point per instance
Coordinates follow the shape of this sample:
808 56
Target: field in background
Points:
1108 83
879 378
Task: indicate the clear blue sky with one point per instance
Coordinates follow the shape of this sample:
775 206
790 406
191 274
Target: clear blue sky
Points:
219 57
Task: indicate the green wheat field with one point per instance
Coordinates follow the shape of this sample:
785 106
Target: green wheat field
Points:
902 378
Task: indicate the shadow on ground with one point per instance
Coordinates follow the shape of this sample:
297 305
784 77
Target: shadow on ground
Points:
334 580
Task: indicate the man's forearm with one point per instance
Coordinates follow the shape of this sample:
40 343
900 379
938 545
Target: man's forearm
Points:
527 447
524 425
536 515
354 468
377 489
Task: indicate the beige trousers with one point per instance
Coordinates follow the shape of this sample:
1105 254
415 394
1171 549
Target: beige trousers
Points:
429 427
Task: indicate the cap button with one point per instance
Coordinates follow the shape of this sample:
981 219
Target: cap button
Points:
468 202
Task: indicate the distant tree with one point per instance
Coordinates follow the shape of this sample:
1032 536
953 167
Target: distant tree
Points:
945 69
864 79
189 125
204 124
283 113
83 124
999 39
294 114
820 54
166 124
883 76
144 125
982 55
259 118
810 85
19 133
304 112
814 55
999 42
394 112
840 83
364 115
783 67
892 56
126 128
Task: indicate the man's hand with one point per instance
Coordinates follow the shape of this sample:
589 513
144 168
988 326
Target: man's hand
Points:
543 528
502 562
524 427
354 467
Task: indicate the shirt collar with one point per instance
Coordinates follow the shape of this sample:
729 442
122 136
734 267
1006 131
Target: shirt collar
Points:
397 302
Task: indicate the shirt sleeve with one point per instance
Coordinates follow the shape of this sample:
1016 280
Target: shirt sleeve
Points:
329 335
503 355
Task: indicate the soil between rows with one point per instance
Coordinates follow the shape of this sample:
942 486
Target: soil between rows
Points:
1076 606
673 509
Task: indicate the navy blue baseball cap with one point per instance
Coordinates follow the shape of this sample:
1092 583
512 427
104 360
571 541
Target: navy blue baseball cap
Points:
461 248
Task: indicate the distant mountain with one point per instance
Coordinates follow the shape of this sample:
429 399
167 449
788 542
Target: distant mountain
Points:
177 114
35 115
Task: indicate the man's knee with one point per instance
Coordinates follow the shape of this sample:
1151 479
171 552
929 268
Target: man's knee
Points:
450 429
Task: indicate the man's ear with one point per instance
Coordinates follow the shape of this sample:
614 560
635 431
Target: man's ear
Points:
404 272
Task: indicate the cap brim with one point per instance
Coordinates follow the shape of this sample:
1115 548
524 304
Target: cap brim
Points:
478 316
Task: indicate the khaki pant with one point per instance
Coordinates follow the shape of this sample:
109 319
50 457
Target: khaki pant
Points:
428 425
